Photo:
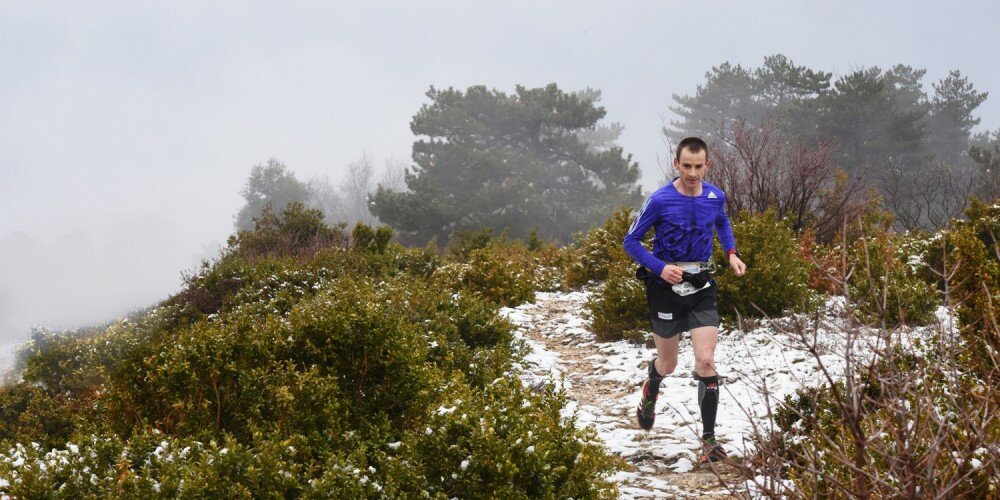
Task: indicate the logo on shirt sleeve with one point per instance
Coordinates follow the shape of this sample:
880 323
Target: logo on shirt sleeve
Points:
711 194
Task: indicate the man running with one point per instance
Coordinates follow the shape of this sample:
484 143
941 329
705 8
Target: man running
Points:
685 214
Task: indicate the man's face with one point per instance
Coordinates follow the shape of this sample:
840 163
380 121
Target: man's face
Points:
691 167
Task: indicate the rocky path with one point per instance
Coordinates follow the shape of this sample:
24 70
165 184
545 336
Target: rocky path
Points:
603 382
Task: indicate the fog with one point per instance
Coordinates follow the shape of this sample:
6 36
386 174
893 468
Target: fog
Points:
128 129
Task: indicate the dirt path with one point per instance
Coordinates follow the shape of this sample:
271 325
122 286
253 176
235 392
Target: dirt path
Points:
603 381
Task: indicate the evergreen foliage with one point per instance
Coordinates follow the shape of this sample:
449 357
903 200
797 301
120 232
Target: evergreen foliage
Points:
325 366
779 87
489 159
777 274
887 279
875 116
726 95
268 189
986 155
951 117
881 126
872 115
970 254
617 307
500 272
597 251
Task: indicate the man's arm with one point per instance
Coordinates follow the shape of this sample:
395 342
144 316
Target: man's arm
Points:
725 230
633 238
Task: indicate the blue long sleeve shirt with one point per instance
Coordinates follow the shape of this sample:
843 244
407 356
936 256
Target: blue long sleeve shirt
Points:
684 227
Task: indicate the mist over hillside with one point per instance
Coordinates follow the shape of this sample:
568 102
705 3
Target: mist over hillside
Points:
115 112
82 277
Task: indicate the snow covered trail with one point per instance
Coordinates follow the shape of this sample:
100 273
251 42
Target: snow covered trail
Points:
603 379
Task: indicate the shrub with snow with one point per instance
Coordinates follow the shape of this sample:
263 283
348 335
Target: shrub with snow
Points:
969 253
597 255
617 307
777 274
886 278
296 381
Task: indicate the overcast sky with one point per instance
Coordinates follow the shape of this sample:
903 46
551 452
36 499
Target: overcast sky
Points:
127 128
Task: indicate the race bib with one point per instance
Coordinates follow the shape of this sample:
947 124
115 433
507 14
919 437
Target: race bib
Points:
684 288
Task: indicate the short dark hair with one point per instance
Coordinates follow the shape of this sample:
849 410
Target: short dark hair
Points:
694 144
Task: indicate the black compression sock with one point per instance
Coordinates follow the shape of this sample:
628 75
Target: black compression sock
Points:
654 377
708 402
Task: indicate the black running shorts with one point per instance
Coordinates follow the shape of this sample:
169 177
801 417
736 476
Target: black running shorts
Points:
671 314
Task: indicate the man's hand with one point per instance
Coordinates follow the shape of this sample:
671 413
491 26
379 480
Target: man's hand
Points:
738 266
672 274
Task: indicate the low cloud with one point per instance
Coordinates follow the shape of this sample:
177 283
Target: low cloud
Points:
91 274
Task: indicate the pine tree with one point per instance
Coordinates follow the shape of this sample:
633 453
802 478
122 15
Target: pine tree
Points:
782 85
484 158
951 119
602 136
779 89
727 95
872 117
986 155
271 185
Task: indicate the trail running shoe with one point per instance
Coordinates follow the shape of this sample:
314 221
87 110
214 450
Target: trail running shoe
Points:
712 451
645 414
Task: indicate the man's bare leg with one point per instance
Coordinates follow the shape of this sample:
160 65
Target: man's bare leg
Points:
666 354
704 339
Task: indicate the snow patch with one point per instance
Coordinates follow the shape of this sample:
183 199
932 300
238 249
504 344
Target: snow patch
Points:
758 368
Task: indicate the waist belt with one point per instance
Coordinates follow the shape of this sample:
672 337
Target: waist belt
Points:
692 267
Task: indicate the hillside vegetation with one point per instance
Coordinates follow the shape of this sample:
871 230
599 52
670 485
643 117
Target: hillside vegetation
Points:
307 360
304 361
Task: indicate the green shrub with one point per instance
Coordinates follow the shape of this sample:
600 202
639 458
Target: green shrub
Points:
503 441
346 352
618 308
550 264
304 402
501 272
29 413
61 376
924 427
153 465
216 286
391 262
970 253
315 340
461 244
777 275
367 238
600 249
509 442
62 362
885 282
287 373
297 232
542 262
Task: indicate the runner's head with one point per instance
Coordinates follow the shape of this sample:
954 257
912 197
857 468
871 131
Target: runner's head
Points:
691 161
694 145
